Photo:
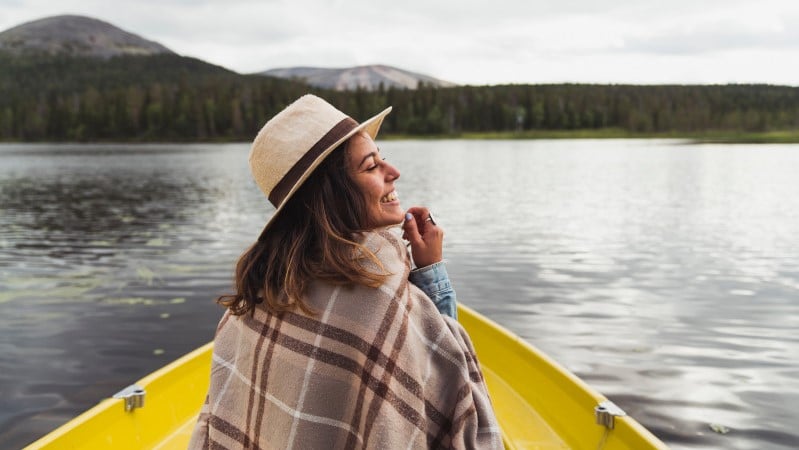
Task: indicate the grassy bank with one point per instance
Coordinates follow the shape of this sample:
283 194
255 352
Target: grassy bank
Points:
731 137
708 137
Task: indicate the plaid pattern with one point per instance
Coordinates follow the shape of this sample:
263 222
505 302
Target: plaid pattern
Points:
374 368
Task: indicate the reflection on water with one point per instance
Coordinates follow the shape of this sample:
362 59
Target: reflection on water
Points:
662 273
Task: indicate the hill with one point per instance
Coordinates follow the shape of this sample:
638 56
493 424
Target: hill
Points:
52 89
75 36
364 77
77 78
133 98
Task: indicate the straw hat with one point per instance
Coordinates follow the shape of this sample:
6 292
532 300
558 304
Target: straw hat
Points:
294 142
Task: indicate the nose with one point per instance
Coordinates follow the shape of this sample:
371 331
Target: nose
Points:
392 173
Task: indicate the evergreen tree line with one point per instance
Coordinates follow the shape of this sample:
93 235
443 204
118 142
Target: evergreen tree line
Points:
169 97
650 109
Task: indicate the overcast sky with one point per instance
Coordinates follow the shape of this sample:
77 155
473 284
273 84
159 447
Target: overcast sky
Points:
470 42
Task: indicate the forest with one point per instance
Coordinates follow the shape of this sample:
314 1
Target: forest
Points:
175 98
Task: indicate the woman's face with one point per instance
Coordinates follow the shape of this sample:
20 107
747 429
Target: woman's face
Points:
375 178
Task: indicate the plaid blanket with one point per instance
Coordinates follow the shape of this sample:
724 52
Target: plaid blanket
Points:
374 368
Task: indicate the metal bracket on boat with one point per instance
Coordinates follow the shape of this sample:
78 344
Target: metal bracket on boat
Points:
133 395
606 412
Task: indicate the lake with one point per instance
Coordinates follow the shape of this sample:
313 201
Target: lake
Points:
663 273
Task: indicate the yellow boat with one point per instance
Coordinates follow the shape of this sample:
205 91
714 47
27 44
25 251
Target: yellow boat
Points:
539 404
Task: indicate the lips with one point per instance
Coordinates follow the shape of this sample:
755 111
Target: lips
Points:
390 197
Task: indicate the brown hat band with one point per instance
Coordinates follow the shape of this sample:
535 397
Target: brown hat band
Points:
283 187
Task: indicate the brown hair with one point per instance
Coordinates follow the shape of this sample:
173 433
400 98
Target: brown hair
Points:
313 238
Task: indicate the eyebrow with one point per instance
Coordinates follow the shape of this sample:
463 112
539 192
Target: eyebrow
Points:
370 155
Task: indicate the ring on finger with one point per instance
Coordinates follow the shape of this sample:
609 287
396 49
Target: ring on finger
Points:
430 219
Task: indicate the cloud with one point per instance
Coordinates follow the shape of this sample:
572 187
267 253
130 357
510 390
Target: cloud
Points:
467 41
711 41
747 26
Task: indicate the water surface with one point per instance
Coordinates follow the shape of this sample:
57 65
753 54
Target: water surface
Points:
661 272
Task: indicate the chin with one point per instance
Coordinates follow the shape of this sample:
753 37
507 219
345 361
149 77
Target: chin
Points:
391 216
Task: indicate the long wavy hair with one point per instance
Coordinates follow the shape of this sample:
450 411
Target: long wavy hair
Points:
314 238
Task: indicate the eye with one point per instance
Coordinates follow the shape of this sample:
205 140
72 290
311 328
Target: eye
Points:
374 166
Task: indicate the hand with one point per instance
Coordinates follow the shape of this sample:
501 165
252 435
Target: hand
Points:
426 238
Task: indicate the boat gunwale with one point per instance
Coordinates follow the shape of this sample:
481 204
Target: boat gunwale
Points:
626 428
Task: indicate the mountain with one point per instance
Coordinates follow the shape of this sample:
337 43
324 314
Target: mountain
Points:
54 87
75 36
72 78
365 77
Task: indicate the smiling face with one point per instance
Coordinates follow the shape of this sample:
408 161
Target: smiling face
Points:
375 179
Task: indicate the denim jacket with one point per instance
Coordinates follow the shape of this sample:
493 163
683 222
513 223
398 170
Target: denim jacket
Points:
433 280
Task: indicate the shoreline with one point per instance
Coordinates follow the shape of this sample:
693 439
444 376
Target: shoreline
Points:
702 137
699 137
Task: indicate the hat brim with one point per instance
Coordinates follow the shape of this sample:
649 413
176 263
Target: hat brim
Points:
371 126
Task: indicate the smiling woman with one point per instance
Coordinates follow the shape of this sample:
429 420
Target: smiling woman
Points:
327 341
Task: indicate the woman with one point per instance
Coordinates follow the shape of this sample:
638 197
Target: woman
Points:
326 343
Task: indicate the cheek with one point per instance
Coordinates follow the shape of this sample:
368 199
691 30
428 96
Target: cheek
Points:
374 191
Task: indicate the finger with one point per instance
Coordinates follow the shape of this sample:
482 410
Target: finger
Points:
420 213
410 228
